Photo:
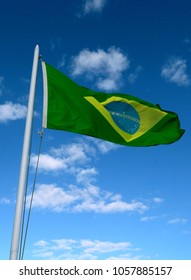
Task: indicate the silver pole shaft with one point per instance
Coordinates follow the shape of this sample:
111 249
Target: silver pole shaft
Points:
24 160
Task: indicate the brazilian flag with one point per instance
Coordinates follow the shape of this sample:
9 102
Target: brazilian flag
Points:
118 118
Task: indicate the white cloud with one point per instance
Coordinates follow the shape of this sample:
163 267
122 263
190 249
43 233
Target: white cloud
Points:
103 146
63 244
93 6
175 71
106 67
11 112
100 61
106 147
177 221
87 199
107 84
41 243
149 218
83 249
111 207
103 247
74 159
52 197
64 158
74 153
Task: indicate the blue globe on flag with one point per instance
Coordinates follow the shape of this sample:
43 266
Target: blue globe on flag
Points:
124 115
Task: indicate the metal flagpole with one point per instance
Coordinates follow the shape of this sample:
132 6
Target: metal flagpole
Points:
24 160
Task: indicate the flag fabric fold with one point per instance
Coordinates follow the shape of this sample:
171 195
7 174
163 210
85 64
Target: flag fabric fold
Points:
118 118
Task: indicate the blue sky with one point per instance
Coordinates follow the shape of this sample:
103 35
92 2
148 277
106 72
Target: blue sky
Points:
94 199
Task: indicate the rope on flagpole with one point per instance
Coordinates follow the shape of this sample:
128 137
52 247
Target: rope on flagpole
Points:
24 208
22 247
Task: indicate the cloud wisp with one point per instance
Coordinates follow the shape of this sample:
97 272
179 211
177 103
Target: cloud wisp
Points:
4 201
177 221
175 71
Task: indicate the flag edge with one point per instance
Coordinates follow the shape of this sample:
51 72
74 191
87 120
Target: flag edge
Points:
45 95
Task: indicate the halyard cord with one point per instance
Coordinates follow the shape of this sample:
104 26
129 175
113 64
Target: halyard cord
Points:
24 207
22 247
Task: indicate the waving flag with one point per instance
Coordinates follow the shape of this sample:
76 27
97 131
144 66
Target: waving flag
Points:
118 118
